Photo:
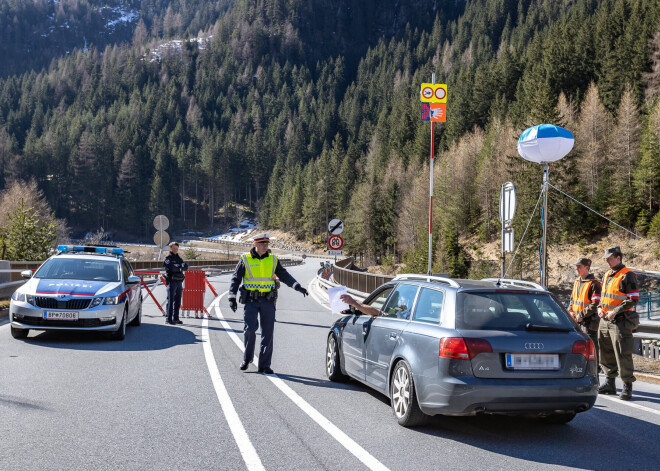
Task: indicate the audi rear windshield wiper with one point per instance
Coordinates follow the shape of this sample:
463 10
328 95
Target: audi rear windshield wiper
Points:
545 328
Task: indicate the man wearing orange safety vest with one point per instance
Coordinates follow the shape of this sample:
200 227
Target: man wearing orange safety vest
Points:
585 300
618 319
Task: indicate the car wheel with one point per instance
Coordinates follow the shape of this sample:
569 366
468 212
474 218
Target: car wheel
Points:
403 397
558 419
120 333
137 320
332 366
19 333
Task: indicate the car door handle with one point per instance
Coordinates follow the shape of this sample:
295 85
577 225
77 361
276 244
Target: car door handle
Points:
394 336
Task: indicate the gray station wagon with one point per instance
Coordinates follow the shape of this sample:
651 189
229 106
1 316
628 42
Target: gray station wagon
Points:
464 347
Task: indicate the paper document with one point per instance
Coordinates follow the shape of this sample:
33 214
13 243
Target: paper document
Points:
336 304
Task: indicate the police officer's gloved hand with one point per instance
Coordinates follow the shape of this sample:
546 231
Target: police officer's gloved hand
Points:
233 305
302 290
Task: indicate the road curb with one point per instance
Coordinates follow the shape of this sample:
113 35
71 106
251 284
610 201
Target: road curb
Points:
647 378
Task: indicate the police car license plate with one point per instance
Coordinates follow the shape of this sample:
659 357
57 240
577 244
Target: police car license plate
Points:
61 316
532 361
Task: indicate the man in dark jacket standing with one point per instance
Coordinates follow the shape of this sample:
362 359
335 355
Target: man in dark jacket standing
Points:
618 319
174 268
257 270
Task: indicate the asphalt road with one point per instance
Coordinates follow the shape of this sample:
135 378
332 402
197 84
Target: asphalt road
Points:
173 398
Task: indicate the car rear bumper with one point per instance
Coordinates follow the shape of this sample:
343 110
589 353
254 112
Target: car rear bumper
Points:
471 396
32 318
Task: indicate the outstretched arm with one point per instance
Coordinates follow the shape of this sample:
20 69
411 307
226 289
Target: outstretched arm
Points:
364 308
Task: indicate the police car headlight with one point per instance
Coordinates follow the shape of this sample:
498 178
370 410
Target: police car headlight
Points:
96 302
17 296
30 299
111 300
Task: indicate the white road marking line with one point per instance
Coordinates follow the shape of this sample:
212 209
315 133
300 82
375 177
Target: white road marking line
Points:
334 431
312 292
630 404
248 452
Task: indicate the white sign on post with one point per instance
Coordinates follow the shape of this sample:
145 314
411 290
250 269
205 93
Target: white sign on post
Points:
161 222
336 227
507 203
507 239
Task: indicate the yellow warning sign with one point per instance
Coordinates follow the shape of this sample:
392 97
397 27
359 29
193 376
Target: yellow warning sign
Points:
434 93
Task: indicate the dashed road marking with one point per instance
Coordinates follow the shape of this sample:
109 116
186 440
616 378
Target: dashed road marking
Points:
347 442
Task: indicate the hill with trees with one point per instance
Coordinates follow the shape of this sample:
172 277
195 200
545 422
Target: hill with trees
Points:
309 110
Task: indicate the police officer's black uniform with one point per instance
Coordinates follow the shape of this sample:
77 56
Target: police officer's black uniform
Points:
259 306
174 268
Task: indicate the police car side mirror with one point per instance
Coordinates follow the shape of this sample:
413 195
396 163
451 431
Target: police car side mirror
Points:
27 274
132 280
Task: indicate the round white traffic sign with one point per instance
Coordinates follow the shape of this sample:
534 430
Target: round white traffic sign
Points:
440 93
336 227
161 239
161 222
427 92
335 242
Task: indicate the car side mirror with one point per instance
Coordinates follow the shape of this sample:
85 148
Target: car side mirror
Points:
27 274
132 280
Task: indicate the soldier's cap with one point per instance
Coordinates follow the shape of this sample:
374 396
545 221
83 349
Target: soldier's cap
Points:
616 251
173 243
583 261
263 237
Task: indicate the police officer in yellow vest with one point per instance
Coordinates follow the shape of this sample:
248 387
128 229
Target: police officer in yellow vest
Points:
257 270
585 299
618 319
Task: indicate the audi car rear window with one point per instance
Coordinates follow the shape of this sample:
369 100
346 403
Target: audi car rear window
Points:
509 311
79 269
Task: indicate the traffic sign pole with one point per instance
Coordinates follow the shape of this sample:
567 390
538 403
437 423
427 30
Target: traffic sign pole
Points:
431 197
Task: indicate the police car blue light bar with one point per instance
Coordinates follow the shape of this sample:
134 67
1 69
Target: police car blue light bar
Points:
90 248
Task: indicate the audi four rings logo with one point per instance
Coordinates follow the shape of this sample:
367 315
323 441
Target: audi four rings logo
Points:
534 346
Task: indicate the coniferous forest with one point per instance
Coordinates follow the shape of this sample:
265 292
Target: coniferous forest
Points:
309 110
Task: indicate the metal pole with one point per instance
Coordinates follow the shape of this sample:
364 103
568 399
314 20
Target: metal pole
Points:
431 197
544 242
503 257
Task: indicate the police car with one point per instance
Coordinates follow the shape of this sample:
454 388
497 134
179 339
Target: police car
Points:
78 288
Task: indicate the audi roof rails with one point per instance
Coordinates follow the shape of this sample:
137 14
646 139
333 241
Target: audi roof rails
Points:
510 282
439 279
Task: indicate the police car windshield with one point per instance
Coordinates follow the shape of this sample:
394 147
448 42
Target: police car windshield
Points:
510 311
79 269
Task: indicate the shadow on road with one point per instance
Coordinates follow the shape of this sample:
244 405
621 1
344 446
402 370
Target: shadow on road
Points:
143 338
319 383
327 327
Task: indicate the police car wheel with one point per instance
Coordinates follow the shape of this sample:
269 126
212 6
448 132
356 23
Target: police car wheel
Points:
19 333
120 333
137 320
332 366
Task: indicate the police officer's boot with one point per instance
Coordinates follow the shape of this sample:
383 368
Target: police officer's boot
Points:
626 394
608 387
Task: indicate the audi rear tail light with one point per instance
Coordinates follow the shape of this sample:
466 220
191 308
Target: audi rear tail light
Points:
585 348
463 349
477 346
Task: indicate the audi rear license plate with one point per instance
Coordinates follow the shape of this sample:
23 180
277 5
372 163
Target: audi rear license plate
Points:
61 316
532 361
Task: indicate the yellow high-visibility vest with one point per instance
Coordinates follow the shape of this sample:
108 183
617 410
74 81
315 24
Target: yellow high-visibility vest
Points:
259 273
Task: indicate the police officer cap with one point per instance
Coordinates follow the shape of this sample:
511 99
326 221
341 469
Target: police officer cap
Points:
263 237
583 261
616 251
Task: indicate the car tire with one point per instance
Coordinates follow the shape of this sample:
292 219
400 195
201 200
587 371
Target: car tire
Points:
332 365
19 333
137 320
404 398
120 333
558 419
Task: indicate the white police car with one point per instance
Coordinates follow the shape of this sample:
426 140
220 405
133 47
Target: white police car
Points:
78 288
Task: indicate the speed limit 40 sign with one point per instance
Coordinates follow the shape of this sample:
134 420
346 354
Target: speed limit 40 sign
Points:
335 242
